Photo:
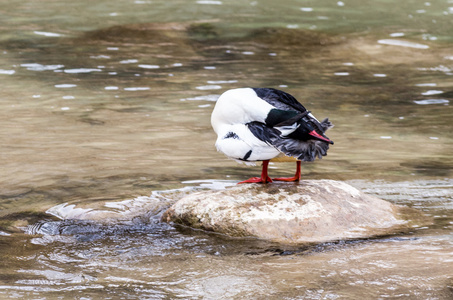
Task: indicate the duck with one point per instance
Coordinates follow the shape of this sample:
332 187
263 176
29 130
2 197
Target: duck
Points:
268 125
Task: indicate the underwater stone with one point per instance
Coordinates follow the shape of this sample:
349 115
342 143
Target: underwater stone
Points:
309 212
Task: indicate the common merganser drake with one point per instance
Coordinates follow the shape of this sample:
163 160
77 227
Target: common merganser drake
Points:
265 124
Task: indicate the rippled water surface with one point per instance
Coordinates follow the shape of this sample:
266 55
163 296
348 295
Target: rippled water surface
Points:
105 108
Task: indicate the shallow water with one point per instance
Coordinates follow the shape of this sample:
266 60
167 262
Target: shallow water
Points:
105 122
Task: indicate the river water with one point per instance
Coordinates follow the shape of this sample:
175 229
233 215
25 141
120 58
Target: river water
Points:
105 108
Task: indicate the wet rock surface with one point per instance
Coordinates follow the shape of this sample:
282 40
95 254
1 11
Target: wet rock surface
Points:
309 212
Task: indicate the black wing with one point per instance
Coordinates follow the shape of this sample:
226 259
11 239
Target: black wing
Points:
279 99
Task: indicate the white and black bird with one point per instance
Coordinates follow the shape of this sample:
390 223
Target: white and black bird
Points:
265 124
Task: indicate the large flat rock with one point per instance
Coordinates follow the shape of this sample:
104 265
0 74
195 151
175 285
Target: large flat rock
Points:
308 212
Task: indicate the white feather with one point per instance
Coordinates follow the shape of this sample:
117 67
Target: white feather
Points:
311 116
287 130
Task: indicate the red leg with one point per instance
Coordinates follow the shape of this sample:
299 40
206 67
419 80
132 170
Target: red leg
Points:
296 176
264 177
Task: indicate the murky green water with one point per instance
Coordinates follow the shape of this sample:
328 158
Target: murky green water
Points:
104 111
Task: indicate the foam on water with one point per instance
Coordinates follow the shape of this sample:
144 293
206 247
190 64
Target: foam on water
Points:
401 43
47 34
432 92
149 66
65 85
81 70
40 67
140 88
212 2
432 101
209 87
7 72
129 61
212 97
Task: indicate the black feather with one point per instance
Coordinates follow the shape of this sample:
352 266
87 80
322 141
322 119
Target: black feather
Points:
305 150
326 124
231 135
264 133
279 99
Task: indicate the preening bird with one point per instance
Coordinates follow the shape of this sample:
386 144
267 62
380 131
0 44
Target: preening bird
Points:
265 124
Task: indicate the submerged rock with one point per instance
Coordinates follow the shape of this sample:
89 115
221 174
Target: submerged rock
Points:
309 212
